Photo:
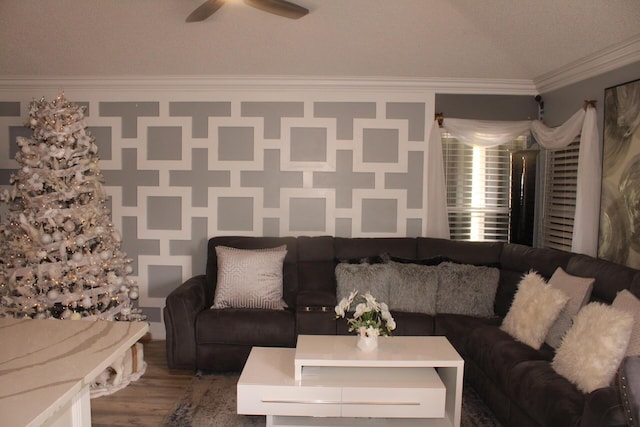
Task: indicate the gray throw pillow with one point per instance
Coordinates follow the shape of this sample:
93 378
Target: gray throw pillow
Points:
466 289
413 287
249 278
579 290
372 278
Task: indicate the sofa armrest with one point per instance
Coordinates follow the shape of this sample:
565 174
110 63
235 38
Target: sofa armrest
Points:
182 307
628 382
603 408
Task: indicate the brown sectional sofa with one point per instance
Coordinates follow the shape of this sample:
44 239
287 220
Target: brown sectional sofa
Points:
516 381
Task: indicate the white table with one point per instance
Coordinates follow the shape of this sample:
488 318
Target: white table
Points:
46 367
327 381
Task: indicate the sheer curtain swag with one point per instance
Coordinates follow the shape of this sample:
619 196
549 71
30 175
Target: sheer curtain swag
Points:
486 134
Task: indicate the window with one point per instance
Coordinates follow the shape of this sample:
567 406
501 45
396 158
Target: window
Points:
478 181
561 181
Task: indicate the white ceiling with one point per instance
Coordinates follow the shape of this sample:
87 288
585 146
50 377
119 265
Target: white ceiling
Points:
422 39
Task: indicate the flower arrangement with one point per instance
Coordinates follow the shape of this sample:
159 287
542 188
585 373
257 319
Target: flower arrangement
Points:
370 319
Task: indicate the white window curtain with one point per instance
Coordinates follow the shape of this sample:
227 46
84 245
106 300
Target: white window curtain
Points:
491 133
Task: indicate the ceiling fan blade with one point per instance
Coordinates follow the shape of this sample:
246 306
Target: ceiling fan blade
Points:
205 10
279 7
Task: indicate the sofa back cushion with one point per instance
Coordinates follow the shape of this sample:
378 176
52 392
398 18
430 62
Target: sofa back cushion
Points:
462 252
289 269
365 247
316 265
610 278
517 260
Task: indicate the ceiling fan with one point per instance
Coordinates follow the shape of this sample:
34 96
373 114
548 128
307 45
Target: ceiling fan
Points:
277 7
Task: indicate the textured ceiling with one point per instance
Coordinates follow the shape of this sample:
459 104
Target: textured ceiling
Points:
488 39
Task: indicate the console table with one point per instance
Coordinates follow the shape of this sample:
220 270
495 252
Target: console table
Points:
326 381
46 367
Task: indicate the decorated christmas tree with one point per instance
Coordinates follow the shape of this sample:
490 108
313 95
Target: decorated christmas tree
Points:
60 254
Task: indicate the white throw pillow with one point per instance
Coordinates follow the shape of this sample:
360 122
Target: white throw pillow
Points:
579 291
249 278
628 302
593 348
535 307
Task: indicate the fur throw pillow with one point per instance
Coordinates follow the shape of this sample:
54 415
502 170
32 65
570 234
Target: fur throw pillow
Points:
535 307
466 289
373 278
593 348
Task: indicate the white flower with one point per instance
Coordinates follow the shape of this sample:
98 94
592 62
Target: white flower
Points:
371 301
361 309
344 304
342 307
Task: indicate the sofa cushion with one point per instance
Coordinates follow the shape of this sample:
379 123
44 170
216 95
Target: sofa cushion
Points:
535 307
516 260
361 247
418 324
412 287
466 289
458 328
249 278
610 277
246 326
593 348
372 278
628 302
543 394
496 352
579 290
476 253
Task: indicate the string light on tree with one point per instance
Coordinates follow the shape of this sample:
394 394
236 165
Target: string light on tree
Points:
60 255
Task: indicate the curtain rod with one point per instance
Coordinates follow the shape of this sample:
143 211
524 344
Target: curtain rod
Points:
587 103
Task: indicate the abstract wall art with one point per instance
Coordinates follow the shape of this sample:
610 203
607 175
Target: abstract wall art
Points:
620 207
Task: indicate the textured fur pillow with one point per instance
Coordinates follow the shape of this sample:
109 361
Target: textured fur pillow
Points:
373 278
593 348
628 302
466 289
249 278
535 307
413 288
579 291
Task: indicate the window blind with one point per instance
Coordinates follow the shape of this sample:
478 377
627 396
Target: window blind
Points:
478 181
561 181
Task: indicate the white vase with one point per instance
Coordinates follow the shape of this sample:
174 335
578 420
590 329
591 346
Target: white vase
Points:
367 344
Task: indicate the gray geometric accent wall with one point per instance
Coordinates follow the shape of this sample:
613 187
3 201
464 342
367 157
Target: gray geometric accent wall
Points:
179 169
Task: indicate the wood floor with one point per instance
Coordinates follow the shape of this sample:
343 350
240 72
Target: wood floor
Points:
144 402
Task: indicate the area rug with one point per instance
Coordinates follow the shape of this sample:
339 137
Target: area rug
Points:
210 401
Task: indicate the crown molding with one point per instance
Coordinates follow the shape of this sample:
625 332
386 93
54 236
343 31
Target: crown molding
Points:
600 62
267 83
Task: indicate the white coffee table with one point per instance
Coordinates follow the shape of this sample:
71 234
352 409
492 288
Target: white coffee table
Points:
327 381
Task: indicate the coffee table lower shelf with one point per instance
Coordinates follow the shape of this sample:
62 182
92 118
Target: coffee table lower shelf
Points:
345 396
